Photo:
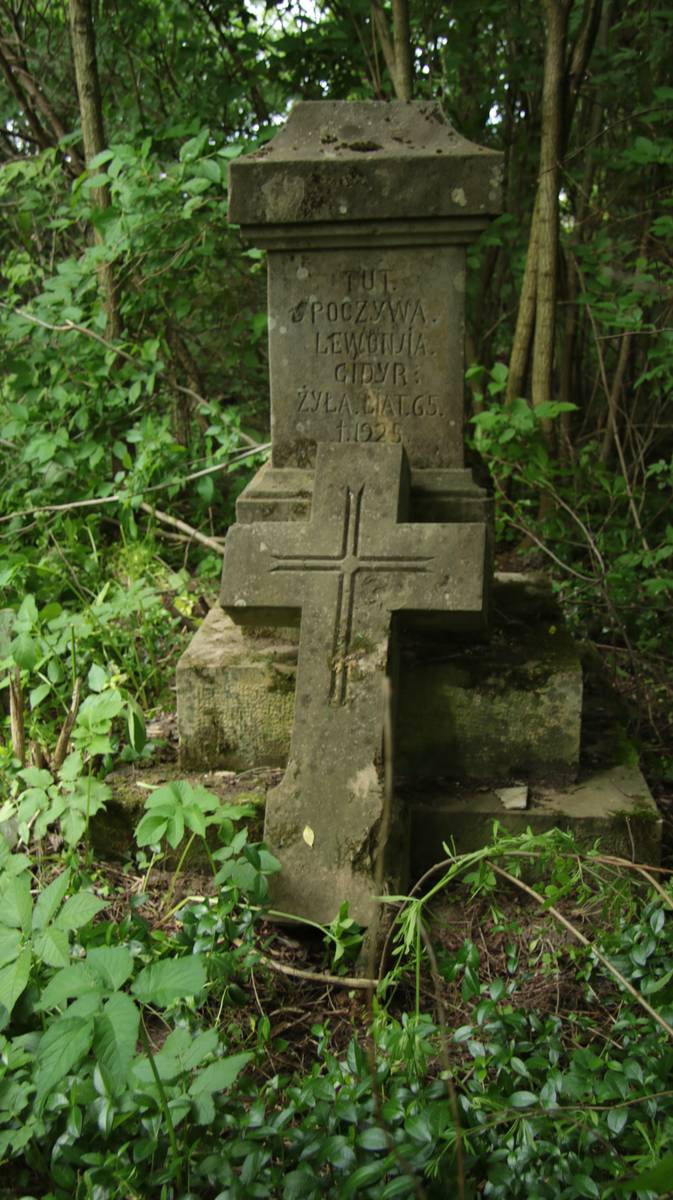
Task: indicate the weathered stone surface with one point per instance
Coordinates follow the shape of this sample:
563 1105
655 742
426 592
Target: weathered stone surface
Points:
521 682
509 710
235 698
364 161
614 805
285 494
367 346
349 569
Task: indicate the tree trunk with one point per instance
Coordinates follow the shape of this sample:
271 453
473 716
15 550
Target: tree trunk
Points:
396 49
547 202
93 136
402 43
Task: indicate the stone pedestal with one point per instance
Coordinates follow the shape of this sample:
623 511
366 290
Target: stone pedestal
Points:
494 711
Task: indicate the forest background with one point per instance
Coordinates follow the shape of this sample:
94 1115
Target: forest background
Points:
134 407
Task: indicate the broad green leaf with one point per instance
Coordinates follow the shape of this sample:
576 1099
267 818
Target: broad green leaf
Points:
113 965
78 910
16 905
97 678
219 1075
374 1138
52 947
38 694
115 1037
73 826
49 900
522 1099
176 829
70 983
617 1118
64 1044
10 943
151 829
202 1045
171 979
13 979
36 777
24 651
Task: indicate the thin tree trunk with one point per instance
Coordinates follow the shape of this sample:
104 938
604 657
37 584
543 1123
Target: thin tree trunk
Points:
525 317
396 49
548 234
93 136
402 43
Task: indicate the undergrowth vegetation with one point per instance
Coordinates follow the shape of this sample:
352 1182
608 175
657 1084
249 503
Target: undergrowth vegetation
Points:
177 1050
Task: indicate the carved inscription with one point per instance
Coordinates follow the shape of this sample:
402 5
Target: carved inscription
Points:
372 342
364 348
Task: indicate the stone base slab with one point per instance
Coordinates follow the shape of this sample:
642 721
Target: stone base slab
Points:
614 805
502 710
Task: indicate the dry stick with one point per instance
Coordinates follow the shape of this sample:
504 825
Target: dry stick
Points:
64 736
183 527
343 981
16 716
585 942
443 1021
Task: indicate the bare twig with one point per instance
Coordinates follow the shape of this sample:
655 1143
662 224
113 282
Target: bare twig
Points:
579 936
64 736
176 523
344 981
16 716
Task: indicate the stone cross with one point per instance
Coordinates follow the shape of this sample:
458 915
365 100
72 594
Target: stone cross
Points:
350 568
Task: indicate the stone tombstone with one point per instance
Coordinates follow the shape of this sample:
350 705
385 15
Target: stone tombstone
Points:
366 510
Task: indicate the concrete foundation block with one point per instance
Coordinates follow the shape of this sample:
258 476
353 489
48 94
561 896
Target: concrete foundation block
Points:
614 805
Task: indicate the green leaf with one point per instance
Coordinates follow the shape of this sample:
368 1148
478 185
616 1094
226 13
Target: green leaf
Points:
49 900
135 723
219 1075
113 965
16 905
78 910
64 1044
35 777
14 978
171 979
151 829
38 694
52 947
373 1138
199 1048
585 1186
10 943
70 983
97 678
522 1099
24 651
114 1042
617 1118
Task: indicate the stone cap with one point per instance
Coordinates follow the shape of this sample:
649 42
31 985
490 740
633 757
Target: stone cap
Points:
371 160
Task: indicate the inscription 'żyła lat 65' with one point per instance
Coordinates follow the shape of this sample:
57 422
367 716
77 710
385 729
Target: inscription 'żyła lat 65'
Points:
348 569
364 349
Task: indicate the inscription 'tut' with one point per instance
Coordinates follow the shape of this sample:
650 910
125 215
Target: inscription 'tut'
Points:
374 279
